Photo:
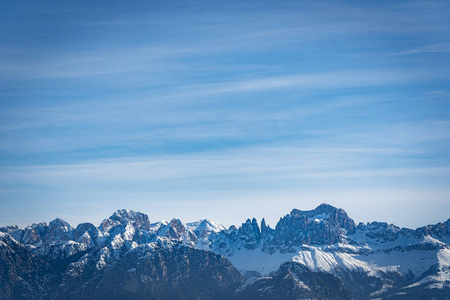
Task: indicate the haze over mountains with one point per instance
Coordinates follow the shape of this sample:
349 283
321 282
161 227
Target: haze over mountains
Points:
316 254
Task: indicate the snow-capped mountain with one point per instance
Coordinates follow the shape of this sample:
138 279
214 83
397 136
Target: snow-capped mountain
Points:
316 254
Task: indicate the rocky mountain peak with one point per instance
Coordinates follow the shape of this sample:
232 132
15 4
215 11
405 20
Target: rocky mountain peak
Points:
380 231
250 233
37 225
205 227
59 223
8 229
59 230
32 234
440 230
324 225
265 230
86 233
174 230
337 217
137 219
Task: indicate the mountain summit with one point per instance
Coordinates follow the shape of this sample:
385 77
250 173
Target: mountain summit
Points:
313 254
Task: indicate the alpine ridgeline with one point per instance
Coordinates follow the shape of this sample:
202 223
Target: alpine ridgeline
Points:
316 254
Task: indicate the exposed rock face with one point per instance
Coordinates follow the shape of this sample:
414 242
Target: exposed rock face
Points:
158 270
32 234
295 281
324 225
87 234
58 231
137 219
440 230
174 230
22 274
335 216
8 229
266 231
205 228
250 234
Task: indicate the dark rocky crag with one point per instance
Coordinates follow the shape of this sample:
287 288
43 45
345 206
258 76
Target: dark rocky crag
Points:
295 281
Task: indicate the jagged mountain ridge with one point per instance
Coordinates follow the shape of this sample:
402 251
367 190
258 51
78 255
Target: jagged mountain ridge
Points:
371 260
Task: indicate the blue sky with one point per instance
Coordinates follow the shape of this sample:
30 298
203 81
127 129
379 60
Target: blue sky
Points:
224 109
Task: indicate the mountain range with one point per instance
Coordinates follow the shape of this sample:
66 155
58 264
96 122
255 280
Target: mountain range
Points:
315 254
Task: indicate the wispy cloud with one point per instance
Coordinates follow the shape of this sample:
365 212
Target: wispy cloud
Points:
183 104
271 163
343 79
435 48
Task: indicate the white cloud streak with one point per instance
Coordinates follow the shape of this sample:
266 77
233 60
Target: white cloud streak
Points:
273 163
343 79
435 48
